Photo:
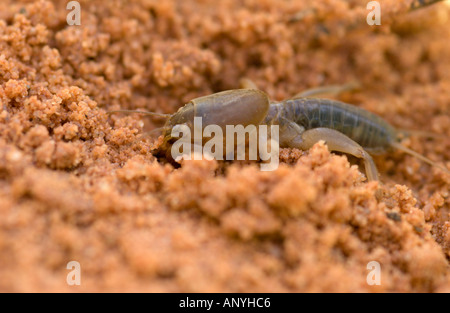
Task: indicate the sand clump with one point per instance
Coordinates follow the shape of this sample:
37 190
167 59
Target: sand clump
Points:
77 184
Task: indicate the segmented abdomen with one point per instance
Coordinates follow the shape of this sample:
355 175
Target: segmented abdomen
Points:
367 129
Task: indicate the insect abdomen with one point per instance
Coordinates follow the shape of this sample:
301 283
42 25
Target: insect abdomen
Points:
367 129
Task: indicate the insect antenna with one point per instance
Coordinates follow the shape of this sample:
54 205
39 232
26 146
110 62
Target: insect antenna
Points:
403 133
152 132
141 112
419 156
149 133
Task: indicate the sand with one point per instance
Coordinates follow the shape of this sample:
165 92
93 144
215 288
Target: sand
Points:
79 185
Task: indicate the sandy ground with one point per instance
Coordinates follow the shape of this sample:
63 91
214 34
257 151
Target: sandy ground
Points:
79 185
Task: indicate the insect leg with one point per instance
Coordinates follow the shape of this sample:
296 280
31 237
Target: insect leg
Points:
335 141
